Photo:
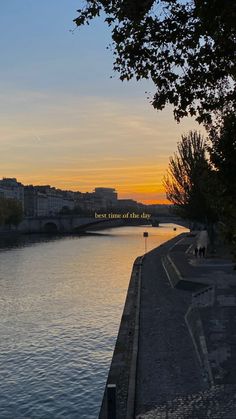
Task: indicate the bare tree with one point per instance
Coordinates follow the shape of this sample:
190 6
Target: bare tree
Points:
190 180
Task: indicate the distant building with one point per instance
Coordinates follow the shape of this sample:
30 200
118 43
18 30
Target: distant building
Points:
41 204
30 201
125 204
85 202
101 199
46 200
108 193
11 189
105 198
161 209
36 203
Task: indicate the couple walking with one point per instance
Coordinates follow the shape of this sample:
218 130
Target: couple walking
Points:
200 251
201 244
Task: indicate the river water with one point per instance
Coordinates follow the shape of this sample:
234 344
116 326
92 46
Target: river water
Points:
61 300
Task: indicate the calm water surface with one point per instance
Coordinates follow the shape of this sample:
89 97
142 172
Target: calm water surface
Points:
61 301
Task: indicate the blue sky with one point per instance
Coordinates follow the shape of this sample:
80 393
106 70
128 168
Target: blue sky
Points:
63 120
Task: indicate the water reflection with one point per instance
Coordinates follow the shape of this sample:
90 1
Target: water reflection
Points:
11 242
61 299
18 240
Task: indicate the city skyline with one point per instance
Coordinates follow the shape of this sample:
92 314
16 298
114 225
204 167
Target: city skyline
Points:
64 121
92 189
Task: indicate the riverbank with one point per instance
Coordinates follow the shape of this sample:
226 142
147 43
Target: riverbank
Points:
123 366
187 317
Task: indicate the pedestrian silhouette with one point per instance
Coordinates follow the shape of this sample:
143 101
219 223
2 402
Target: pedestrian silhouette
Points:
196 251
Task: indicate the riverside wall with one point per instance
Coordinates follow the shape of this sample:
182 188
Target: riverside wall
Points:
122 371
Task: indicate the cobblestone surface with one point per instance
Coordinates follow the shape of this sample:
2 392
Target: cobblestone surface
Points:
215 403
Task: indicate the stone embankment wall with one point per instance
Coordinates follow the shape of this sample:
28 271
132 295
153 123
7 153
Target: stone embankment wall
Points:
122 372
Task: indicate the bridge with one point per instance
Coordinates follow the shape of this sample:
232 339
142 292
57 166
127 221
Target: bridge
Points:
62 224
65 224
166 219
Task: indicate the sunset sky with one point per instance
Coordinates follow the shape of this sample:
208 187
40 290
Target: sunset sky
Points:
63 120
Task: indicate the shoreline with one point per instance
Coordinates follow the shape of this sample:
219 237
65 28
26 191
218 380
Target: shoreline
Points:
123 363
184 361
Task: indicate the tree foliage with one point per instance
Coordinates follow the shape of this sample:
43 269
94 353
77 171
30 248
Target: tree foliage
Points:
187 48
223 156
190 180
223 153
10 212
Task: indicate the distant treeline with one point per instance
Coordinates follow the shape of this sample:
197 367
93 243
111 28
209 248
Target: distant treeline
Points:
11 212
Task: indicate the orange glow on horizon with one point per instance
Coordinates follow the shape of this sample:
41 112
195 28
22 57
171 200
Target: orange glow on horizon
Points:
141 192
77 143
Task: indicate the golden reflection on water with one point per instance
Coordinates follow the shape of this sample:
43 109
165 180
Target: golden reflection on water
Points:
61 302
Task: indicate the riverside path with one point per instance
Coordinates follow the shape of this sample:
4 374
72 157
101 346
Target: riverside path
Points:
170 382
167 365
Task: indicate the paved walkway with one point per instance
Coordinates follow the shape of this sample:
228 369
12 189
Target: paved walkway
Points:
202 240
170 383
167 365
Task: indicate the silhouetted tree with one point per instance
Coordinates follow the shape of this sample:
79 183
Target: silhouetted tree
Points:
2 211
223 156
186 48
190 180
10 212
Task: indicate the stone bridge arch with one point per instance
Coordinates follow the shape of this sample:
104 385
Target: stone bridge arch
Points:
50 227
